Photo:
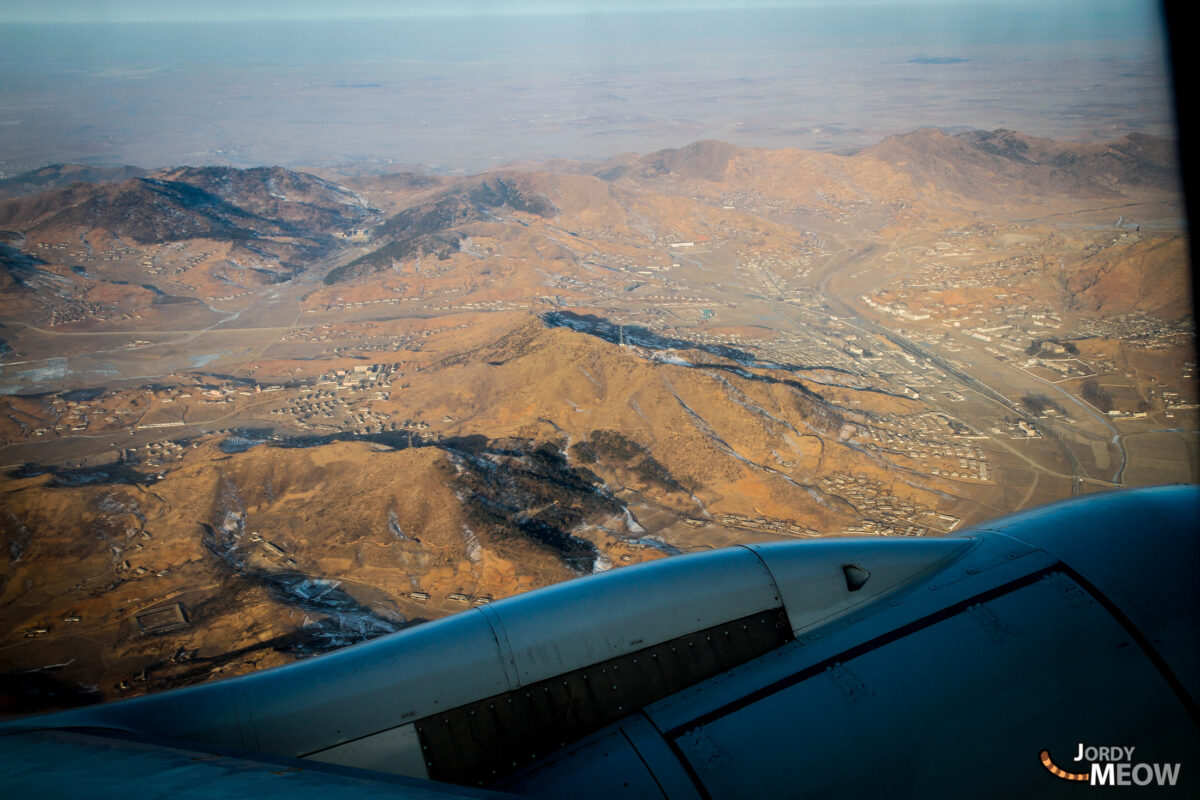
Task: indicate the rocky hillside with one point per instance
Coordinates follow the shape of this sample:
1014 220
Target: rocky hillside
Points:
275 553
59 176
926 172
435 226
262 206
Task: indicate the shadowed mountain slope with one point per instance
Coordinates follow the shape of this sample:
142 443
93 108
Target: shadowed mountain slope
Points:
59 176
212 203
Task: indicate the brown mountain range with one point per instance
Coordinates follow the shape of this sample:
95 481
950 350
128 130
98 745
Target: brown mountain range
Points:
331 411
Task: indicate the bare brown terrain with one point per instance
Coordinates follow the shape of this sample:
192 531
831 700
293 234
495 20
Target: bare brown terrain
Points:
251 415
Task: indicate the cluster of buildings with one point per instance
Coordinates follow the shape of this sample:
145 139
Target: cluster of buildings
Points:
753 203
155 454
483 305
68 311
835 352
343 305
50 248
882 513
942 445
362 340
227 297
70 415
779 527
1150 333
769 267
155 261
335 400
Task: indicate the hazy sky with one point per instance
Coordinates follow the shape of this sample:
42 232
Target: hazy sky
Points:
229 10
468 84
232 10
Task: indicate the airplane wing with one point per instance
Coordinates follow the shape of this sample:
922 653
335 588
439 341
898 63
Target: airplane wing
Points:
911 667
106 765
